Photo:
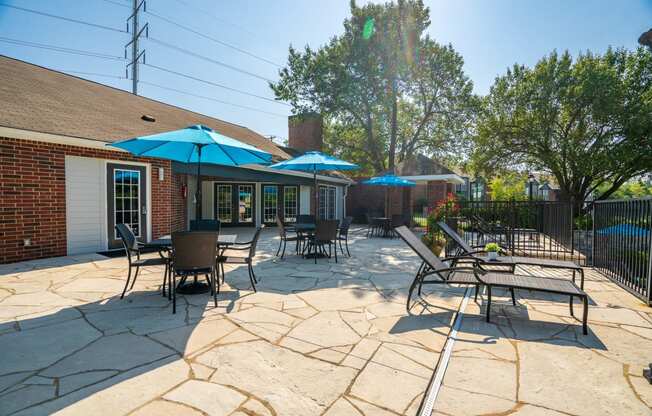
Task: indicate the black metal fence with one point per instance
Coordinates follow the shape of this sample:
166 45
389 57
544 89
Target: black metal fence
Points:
622 243
527 228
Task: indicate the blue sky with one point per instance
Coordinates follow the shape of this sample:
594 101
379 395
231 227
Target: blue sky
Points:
490 35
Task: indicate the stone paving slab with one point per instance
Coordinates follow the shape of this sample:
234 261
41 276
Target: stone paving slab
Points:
326 339
332 338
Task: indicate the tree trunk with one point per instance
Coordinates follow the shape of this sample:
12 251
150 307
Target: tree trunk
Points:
393 128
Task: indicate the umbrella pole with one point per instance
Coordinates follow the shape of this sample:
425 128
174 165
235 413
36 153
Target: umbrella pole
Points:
198 213
314 175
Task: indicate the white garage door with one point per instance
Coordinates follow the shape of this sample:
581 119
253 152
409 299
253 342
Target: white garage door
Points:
85 205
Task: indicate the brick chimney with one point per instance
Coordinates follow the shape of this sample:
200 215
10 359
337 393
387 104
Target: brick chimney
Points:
305 132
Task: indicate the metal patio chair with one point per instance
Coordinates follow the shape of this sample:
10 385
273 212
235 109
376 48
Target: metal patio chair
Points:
325 234
283 234
440 273
205 225
250 248
343 234
132 248
193 253
464 249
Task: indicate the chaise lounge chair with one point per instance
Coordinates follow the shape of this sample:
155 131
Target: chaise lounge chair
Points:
441 273
465 250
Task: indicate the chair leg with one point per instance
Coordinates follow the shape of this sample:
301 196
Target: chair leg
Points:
570 306
335 246
251 277
169 277
488 302
585 315
126 283
165 276
581 278
133 282
417 279
278 250
213 288
285 243
511 291
346 243
477 289
174 293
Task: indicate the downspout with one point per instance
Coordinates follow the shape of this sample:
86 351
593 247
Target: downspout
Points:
344 195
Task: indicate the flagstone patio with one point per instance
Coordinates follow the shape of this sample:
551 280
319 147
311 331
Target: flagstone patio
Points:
331 339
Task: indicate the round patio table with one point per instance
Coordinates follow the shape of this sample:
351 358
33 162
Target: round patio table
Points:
224 241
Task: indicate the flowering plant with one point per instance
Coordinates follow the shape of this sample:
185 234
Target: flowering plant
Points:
448 207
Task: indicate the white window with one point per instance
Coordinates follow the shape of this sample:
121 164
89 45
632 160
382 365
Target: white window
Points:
290 203
126 194
327 202
224 204
245 203
270 203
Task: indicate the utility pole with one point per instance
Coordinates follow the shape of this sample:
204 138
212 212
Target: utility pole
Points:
136 31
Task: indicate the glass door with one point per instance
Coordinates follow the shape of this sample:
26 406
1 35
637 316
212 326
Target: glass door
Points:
290 203
224 203
245 204
270 203
126 200
327 201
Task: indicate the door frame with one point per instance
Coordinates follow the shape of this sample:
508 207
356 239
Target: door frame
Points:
235 203
280 200
147 235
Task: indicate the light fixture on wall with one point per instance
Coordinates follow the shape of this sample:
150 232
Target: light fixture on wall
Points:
161 174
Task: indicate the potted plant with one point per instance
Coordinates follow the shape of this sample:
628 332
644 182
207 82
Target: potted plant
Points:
492 250
435 242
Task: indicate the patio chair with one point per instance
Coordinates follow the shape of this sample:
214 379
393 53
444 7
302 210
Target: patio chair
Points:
132 248
283 234
325 234
193 254
475 252
373 225
343 234
306 219
249 247
205 225
441 273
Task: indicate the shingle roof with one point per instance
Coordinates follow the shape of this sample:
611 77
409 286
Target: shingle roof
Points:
421 165
42 100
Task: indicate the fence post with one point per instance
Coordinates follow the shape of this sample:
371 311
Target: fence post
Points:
593 207
572 224
649 257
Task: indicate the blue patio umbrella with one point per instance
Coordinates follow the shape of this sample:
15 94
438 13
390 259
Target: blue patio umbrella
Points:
315 162
389 180
195 144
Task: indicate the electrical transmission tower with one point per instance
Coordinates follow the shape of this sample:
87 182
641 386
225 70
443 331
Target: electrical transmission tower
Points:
136 32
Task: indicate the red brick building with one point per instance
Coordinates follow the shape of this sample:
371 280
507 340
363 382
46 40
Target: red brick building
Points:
62 189
434 181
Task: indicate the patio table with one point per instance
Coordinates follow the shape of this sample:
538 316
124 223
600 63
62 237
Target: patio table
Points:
224 241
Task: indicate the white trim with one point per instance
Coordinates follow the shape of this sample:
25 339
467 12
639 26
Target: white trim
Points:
36 136
451 177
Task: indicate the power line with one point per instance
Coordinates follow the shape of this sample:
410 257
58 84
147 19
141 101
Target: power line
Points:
203 35
67 19
205 12
117 3
215 84
205 58
212 99
80 52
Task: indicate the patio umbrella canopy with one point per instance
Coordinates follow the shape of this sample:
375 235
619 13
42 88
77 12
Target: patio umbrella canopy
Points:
195 144
315 162
388 181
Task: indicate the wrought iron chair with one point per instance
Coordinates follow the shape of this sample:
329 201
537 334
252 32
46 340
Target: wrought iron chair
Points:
132 248
283 233
343 234
250 248
193 253
325 234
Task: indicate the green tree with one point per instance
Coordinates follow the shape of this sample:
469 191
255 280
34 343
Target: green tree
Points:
385 89
508 187
585 122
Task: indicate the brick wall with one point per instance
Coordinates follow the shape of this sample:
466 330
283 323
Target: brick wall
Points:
33 196
305 132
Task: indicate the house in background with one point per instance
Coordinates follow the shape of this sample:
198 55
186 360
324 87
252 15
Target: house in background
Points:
62 189
433 180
